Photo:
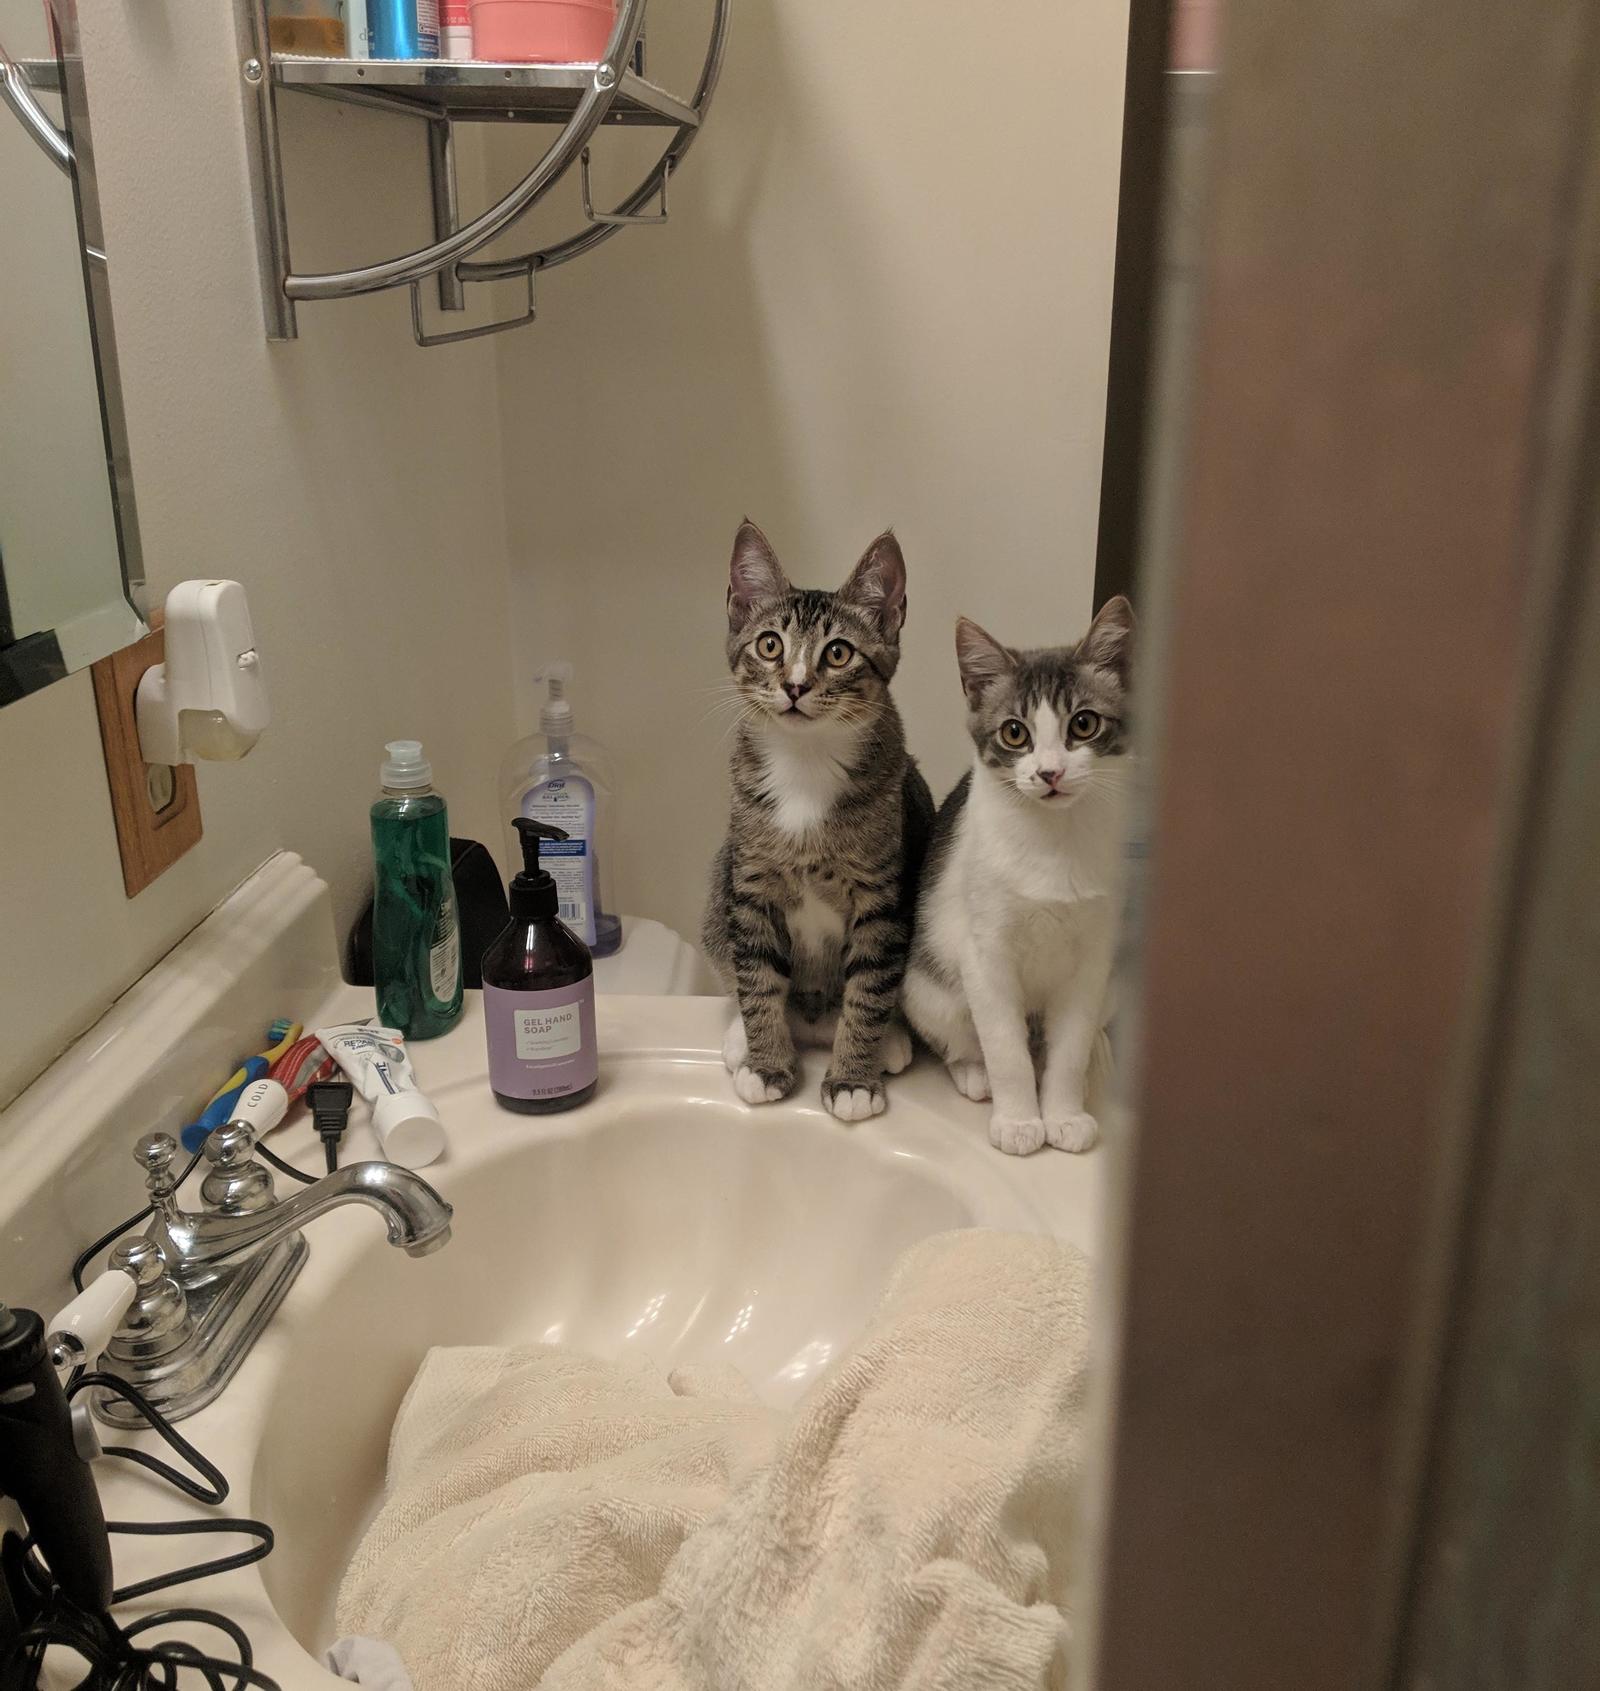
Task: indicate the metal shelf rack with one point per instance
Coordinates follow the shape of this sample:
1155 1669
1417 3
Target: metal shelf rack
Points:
441 93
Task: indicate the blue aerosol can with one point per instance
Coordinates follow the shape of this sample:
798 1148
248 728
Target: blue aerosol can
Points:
403 29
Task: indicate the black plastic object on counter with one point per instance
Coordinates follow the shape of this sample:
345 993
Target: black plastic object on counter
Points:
538 995
481 913
330 1102
41 1469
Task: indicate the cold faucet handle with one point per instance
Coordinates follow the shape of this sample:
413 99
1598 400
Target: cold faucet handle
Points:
236 1183
230 1146
154 1154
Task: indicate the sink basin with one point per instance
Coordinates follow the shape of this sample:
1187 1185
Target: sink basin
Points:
681 1231
664 1218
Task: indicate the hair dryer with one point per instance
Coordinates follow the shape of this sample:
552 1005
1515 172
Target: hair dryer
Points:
41 1469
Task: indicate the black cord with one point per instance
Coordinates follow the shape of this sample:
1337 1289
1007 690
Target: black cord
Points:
214 1492
285 1168
258 1552
116 1663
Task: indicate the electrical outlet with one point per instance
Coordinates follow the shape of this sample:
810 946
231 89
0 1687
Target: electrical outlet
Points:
156 806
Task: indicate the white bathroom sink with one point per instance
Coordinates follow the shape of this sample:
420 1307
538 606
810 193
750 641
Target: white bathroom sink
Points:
663 1218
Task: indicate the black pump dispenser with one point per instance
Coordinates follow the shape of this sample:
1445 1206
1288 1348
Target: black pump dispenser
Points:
533 891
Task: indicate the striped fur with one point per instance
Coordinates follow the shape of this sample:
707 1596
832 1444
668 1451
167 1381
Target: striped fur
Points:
813 891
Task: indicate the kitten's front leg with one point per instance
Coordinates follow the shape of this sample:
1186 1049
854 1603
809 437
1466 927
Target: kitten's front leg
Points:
761 965
1072 1023
994 996
875 945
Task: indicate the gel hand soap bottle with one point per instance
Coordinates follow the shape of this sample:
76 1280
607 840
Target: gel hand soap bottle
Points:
538 995
562 778
416 948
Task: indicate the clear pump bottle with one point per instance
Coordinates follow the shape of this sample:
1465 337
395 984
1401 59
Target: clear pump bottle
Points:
563 779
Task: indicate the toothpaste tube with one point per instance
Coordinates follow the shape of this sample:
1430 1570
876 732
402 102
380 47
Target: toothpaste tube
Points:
374 1061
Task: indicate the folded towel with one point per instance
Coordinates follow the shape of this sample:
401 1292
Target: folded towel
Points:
909 1526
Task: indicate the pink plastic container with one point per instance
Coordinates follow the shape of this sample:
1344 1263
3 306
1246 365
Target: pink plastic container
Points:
541 32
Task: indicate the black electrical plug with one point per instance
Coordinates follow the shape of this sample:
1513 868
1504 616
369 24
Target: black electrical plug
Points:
330 1110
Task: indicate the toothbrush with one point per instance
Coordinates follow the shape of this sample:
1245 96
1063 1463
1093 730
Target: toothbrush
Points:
304 1063
280 1036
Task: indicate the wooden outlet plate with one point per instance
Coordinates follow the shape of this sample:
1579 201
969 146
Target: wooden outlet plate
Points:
149 839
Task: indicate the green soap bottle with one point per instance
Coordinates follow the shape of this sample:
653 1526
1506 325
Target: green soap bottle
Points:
416 945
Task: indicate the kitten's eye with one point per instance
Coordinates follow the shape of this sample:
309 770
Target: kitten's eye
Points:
770 647
837 653
1085 725
1014 735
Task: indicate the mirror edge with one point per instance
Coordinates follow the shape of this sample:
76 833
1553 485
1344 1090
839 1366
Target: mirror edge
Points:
36 660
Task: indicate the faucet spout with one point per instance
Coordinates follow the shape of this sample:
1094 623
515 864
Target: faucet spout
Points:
417 1218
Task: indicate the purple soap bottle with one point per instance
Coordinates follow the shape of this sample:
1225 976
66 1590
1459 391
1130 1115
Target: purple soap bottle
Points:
538 995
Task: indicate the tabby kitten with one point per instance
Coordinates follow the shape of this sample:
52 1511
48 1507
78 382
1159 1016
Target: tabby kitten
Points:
813 891
1017 916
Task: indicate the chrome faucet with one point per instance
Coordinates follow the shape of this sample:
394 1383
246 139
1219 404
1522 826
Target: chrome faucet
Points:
209 1280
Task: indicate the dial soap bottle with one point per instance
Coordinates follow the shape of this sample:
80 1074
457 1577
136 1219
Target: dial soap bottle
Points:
562 778
538 994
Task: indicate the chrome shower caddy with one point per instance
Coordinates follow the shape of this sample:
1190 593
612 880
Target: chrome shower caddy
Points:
442 93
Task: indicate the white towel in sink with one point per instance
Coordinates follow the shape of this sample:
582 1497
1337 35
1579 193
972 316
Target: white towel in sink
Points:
532 1494
909 1526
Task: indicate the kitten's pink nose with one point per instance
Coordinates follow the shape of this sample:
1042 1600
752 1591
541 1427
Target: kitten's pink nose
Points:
796 690
1051 776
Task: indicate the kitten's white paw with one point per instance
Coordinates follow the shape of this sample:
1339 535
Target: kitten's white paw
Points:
971 1078
1017 1136
735 1046
1078 1131
754 1088
894 1055
854 1103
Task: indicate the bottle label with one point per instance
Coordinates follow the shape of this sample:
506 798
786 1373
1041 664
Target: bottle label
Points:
541 1044
567 803
444 954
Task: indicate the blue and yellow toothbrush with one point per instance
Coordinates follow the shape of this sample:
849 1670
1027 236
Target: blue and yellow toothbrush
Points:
280 1036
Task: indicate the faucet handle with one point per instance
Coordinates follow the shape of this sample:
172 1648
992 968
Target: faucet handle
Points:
237 1184
157 1321
154 1154
230 1146
141 1258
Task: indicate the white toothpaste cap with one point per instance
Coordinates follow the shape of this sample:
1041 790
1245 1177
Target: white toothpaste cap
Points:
408 1128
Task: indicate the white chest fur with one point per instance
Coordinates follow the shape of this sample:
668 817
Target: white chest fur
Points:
805 772
815 927
1038 887
1021 851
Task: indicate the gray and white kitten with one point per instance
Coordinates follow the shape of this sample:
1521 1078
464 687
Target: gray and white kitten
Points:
1016 922
813 892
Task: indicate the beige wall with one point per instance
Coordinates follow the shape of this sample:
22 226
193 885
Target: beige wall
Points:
350 481
883 297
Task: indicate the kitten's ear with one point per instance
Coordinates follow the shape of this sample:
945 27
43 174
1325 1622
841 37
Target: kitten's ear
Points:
982 658
878 584
754 573
1109 642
